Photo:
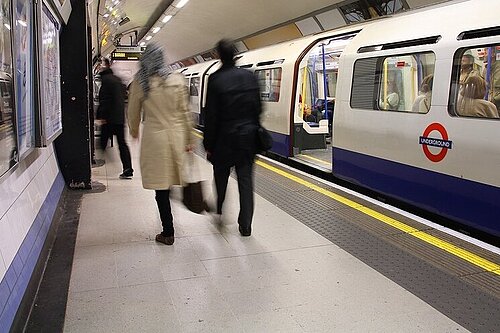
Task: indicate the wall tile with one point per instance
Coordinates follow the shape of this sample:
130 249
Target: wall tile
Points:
4 294
7 246
3 269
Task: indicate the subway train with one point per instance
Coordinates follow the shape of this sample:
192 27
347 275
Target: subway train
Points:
406 106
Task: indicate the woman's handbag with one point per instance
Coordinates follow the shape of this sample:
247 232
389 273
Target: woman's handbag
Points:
193 191
193 197
264 139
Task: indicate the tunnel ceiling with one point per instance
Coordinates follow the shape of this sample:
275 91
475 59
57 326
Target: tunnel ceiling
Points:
199 24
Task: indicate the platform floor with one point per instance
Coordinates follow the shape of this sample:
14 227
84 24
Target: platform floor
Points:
284 278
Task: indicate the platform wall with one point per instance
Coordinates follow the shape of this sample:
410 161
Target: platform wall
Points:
29 196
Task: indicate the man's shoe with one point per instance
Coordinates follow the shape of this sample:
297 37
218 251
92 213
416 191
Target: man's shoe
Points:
168 240
245 232
127 174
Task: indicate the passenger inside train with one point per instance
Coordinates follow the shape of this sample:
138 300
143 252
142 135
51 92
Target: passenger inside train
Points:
471 102
479 80
467 67
422 103
390 96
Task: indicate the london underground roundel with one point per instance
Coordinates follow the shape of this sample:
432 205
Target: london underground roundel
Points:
443 143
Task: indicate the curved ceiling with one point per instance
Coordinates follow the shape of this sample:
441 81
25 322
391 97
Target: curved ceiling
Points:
198 25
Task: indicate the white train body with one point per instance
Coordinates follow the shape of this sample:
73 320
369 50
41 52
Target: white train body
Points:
438 159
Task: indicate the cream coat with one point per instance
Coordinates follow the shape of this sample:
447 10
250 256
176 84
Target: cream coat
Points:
166 132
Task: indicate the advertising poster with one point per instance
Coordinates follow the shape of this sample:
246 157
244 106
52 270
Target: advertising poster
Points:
51 86
23 75
8 146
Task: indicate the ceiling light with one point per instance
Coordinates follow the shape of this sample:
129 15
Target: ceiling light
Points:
142 43
181 3
7 26
155 30
24 24
106 15
166 18
149 37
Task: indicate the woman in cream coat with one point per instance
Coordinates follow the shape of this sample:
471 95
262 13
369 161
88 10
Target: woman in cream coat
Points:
162 99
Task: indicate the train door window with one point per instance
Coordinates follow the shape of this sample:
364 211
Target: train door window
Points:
269 83
395 83
194 86
475 90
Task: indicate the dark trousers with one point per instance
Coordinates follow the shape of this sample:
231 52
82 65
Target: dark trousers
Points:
244 173
107 131
167 220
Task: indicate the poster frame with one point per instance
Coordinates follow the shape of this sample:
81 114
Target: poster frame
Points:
43 138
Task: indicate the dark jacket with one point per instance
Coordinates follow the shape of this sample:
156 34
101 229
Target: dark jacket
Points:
111 98
233 109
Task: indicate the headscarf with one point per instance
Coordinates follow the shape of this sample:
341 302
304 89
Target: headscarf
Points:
151 63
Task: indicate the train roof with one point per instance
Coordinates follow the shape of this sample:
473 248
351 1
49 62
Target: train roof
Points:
444 23
198 68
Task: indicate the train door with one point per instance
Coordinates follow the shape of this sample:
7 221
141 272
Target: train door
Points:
315 95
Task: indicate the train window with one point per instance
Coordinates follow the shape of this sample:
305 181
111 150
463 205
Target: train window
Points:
194 86
269 83
395 83
475 90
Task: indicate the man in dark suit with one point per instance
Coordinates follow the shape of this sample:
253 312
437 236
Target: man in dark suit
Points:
232 115
112 112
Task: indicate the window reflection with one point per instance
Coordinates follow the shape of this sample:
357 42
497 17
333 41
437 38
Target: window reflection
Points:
269 83
8 146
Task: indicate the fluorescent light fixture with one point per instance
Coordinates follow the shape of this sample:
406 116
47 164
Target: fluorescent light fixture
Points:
149 37
21 22
142 43
7 26
181 3
106 15
156 29
166 18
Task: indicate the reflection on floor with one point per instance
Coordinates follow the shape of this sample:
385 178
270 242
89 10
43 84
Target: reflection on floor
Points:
318 158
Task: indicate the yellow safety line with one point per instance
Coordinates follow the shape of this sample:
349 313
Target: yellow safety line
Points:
444 245
315 159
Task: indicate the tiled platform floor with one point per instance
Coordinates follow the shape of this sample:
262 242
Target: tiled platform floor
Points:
284 278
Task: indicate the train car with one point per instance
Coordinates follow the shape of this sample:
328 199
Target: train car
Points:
196 81
406 106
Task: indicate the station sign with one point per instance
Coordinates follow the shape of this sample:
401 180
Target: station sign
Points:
443 143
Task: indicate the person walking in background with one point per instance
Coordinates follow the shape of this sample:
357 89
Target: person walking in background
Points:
233 109
111 111
163 99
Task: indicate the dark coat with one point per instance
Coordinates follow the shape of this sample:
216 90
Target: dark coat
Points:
233 109
111 98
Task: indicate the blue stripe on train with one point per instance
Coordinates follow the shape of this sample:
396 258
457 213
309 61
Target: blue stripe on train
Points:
474 204
281 144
